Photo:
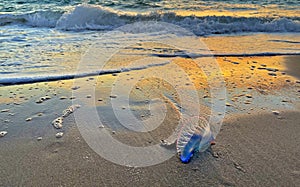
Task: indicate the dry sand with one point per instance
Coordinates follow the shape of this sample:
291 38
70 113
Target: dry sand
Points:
254 147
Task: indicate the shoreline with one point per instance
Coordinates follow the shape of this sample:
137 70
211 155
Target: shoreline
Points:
254 145
31 80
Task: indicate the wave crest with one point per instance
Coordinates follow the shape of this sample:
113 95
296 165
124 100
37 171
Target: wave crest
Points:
88 17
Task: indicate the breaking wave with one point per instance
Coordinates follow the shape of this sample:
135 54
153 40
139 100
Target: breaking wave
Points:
92 17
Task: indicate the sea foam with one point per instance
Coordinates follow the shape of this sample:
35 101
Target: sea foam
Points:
92 17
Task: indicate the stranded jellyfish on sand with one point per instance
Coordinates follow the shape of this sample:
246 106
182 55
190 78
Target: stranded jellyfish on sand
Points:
195 135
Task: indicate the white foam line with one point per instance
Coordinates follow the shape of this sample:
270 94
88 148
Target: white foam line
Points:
28 80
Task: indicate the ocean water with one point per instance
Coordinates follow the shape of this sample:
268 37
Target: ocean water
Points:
45 40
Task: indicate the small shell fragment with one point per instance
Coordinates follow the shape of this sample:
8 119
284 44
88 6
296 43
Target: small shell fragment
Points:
70 110
57 123
5 110
3 133
59 134
38 101
28 119
275 112
42 99
101 126
63 97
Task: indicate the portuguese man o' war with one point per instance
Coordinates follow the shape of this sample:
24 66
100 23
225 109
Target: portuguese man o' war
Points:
195 135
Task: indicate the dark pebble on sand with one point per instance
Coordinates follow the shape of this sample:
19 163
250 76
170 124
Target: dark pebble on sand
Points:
272 74
75 88
63 97
261 68
215 155
272 69
248 96
205 96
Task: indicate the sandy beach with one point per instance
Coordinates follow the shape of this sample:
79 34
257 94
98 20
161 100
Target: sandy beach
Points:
257 144
149 93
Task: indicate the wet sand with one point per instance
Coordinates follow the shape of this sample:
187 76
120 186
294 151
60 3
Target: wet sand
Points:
293 66
254 147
